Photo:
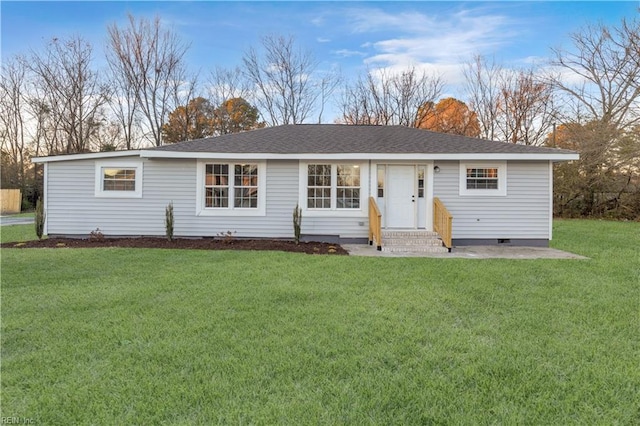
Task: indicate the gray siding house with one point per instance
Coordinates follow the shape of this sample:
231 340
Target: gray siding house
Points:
249 184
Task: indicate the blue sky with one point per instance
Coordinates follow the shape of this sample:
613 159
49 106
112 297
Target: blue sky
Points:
351 35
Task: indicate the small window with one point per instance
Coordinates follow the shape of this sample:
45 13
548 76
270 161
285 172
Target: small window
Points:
381 172
483 179
421 182
118 179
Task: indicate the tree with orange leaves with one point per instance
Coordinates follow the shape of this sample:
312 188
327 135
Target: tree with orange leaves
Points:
193 121
199 119
449 115
236 115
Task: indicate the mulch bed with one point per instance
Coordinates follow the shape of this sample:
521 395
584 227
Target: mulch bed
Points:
185 243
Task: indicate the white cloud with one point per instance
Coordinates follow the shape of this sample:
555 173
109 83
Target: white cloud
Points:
438 43
346 53
374 20
422 37
323 40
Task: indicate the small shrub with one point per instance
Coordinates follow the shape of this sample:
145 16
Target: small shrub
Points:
227 237
96 235
168 221
297 223
41 215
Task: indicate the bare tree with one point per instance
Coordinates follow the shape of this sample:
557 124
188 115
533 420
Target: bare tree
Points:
151 60
599 79
326 84
71 91
526 107
12 122
605 61
512 105
285 77
482 83
385 98
109 136
227 83
124 103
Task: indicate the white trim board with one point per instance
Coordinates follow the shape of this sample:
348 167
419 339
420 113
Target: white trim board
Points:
417 157
314 156
86 156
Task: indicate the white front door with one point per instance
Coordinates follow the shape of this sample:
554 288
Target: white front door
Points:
401 197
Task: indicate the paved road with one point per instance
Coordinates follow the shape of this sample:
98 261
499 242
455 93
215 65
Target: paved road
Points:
12 220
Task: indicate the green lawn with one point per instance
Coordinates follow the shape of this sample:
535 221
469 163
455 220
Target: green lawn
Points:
125 336
17 233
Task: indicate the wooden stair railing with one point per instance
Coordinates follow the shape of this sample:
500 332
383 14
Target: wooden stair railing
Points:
442 222
375 224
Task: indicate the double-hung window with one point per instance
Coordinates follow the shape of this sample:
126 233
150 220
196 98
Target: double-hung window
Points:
319 186
230 188
245 186
118 179
329 187
348 187
483 179
216 186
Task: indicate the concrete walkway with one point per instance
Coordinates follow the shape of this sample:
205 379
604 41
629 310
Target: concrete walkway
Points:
471 252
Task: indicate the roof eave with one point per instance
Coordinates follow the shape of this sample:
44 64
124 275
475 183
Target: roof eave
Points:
560 156
85 156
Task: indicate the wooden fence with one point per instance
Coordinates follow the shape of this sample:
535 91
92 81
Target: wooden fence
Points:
10 201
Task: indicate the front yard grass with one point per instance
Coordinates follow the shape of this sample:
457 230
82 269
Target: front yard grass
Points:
116 336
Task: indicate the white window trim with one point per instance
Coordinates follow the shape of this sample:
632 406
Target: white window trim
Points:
333 211
502 179
122 164
201 210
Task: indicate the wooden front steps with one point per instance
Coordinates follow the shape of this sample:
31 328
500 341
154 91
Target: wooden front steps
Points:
412 241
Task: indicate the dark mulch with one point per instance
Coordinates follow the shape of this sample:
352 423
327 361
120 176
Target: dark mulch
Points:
184 243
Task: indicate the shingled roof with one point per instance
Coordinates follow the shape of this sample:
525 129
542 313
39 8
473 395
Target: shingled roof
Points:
344 139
